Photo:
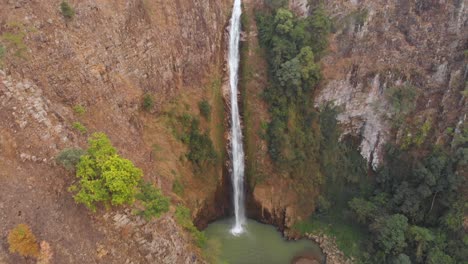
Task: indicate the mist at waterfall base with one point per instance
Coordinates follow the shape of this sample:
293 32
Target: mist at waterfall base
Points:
258 244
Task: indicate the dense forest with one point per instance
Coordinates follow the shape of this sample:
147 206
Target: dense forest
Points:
411 208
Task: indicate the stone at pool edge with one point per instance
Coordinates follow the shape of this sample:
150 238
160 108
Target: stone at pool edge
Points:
304 260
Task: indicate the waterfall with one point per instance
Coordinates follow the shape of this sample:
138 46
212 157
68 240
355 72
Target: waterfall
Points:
237 175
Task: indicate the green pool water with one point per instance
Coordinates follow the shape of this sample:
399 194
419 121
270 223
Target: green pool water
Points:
261 244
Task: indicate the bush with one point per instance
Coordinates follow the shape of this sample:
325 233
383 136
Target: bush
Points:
178 187
79 109
205 109
2 54
148 102
67 11
183 217
80 127
103 176
22 241
153 200
201 149
402 100
69 158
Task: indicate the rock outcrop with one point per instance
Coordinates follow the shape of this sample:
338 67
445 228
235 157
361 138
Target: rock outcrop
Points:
380 44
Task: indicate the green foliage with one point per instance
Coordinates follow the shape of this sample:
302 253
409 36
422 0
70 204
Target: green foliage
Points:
275 4
402 100
419 137
323 204
293 136
364 210
2 54
177 187
183 217
14 37
103 176
153 200
80 127
201 149
79 109
148 102
22 241
69 158
437 256
348 236
205 109
402 259
67 11
424 191
421 237
390 233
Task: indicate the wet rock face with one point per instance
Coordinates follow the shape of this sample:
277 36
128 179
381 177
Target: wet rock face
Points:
380 44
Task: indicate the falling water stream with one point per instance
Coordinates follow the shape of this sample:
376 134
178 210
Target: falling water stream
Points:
236 132
239 240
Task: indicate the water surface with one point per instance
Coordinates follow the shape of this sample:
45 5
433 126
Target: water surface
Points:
260 244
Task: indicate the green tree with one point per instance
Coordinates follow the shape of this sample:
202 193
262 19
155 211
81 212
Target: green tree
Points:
205 109
437 256
421 237
320 26
103 176
284 21
69 158
401 259
363 209
184 218
153 200
148 102
390 233
67 11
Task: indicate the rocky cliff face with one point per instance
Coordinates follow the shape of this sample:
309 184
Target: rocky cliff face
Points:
104 59
374 46
381 44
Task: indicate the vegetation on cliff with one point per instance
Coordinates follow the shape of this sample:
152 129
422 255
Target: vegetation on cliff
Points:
409 210
292 45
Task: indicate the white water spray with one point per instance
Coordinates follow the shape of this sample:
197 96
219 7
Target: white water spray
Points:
237 175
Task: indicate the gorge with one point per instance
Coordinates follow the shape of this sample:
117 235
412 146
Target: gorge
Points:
137 131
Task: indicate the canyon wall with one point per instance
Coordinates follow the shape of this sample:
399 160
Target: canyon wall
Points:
380 44
104 59
374 46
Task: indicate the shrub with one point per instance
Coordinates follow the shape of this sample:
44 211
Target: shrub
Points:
201 149
178 187
16 40
148 102
402 100
67 11
103 176
183 217
2 53
79 109
69 158
80 127
323 204
22 241
205 109
153 200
